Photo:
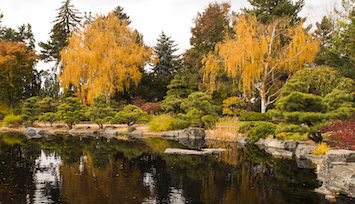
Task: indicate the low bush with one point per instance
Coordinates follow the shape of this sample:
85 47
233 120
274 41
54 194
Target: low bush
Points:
251 116
342 133
282 127
179 124
12 120
257 130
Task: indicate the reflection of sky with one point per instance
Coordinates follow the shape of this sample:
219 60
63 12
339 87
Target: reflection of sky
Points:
175 195
47 178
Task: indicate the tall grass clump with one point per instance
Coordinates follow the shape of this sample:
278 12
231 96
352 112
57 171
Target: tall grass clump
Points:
12 120
225 128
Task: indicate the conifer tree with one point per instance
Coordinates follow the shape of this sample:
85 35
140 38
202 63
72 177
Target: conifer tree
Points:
267 11
66 21
164 51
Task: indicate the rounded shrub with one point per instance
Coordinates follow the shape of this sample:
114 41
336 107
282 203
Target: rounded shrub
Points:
257 130
12 120
161 123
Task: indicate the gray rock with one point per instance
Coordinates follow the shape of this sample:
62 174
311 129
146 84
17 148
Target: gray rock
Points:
282 153
34 133
337 171
72 132
243 140
274 143
193 133
291 145
260 142
305 164
302 151
169 135
110 133
84 127
51 132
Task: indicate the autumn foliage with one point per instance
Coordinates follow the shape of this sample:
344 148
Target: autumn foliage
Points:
259 55
103 57
342 132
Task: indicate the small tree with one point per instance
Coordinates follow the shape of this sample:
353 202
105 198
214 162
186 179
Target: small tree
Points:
197 105
71 112
48 117
99 113
130 115
31 110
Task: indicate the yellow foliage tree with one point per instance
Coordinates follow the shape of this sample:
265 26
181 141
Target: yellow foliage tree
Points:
263 57
102 57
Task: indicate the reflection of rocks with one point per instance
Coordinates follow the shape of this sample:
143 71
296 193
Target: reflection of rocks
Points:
193 152
337 171
34 132
192 143
170 135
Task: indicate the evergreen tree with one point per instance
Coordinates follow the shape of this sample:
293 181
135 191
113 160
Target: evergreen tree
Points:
31 109
324 34
66 21
50 87
99 113
164 51
267 11
118 12
71 112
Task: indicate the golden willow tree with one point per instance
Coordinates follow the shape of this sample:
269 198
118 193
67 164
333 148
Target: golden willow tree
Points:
102 57
261 57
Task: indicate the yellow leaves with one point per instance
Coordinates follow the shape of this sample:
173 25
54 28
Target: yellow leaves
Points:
258 51
102 58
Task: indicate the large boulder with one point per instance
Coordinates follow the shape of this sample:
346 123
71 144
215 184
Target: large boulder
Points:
337 171
72 132
303 151
110 133
34 132
193 133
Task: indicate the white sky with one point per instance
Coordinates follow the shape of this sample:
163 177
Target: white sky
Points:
149 17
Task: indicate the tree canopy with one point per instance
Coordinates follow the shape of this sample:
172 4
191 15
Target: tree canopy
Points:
259 56
104 57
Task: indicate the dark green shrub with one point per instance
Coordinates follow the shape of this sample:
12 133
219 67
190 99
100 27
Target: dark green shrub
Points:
12 120
245 127
261 130
179 124
251 116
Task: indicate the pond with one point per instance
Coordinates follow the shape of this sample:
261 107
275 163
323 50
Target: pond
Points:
96 170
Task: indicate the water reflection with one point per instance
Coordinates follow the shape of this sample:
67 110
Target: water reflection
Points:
92 170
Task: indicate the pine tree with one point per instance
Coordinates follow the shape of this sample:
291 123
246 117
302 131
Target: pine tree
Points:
66 21
267 11
164 51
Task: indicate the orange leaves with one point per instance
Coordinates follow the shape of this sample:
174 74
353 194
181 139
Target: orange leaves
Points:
102 58
259 52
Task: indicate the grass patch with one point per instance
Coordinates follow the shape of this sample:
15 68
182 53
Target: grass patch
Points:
224 129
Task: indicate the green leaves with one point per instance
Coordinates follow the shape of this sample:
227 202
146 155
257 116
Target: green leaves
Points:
71 112
130 115
99 112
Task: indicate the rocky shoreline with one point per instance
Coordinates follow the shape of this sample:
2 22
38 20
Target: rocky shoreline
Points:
335 170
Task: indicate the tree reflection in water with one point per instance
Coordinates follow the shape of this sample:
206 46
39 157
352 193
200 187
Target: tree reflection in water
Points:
93 170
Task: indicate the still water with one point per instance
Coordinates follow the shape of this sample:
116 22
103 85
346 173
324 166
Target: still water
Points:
95 170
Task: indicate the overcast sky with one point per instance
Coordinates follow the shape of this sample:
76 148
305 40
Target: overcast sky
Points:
149 17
